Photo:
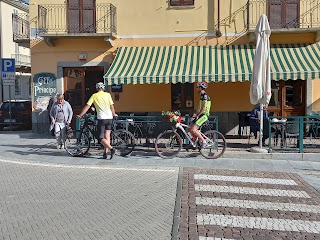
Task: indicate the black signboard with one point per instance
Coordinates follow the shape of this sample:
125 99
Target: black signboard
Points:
116 88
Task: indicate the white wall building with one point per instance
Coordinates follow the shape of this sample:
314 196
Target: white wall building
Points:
15 43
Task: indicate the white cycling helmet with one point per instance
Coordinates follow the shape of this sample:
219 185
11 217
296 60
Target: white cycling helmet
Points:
203 85
100 86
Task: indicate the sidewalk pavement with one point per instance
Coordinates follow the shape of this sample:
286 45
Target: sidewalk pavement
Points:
29 146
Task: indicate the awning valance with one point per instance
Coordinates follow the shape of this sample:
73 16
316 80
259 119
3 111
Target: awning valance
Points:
173 64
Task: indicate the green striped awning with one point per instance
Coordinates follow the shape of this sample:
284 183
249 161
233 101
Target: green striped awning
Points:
172 64
299 61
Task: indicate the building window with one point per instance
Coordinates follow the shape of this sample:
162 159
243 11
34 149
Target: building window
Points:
17 87
181 2
182 96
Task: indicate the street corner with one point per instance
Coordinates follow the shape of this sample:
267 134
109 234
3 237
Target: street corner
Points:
233 204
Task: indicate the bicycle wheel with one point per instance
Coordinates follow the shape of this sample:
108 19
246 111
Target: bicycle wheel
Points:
123 141
216 145
168 144
77 143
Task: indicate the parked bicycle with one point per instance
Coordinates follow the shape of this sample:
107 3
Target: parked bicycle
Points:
170 142
78 142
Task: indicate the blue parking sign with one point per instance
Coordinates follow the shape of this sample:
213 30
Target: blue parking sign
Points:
8 65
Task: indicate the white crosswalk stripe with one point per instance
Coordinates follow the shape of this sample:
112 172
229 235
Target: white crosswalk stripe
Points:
260 223
223 202
251 191
244 179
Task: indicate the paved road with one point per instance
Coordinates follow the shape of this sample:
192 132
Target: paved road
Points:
224 204
52 201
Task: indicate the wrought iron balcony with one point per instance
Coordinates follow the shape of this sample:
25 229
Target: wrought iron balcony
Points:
21 27
61 20
22 60
285 15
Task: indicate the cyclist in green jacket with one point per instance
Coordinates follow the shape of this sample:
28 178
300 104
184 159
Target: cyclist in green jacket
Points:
202 115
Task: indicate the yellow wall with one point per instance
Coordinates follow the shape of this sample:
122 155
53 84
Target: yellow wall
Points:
155 18
152 23
225 97
229 97
45 59
144 98
316 95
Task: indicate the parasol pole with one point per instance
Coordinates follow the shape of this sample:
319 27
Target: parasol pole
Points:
261 125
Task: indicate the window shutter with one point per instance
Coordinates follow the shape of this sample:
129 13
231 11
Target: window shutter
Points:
275 13
73 16
89 16
292 14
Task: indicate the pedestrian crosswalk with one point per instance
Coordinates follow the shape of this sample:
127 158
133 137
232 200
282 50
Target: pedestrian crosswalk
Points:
227 204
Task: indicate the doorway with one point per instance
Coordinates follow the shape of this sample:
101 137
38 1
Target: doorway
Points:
288 98
80 84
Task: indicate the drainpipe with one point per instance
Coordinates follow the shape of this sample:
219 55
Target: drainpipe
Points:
218 32
248 15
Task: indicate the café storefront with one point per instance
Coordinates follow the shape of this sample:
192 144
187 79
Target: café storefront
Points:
293 67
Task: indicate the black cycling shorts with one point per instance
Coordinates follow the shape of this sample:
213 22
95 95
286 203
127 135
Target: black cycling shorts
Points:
103 125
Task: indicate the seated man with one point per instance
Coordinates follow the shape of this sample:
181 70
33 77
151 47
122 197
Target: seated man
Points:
255 122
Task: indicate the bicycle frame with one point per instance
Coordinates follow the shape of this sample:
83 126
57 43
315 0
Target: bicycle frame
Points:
182 127
92 133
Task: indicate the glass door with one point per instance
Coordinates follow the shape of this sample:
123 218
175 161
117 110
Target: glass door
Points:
275 101
294 96
288 98
74 86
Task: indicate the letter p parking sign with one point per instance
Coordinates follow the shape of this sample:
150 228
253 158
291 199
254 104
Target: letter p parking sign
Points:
8 65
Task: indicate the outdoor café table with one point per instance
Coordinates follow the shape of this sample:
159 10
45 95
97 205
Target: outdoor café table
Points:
280 128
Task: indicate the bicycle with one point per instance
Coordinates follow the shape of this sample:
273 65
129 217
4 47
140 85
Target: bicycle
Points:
169 143
78 142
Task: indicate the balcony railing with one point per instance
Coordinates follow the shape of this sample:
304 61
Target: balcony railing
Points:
59 19
285 14
20 27
22 60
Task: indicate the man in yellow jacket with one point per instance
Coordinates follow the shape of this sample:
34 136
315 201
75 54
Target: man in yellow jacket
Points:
103 104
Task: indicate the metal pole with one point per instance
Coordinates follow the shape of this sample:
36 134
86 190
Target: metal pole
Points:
301 121
261 125
10 107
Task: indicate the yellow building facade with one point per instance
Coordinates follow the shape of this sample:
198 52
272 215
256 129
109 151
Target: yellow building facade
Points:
75 43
